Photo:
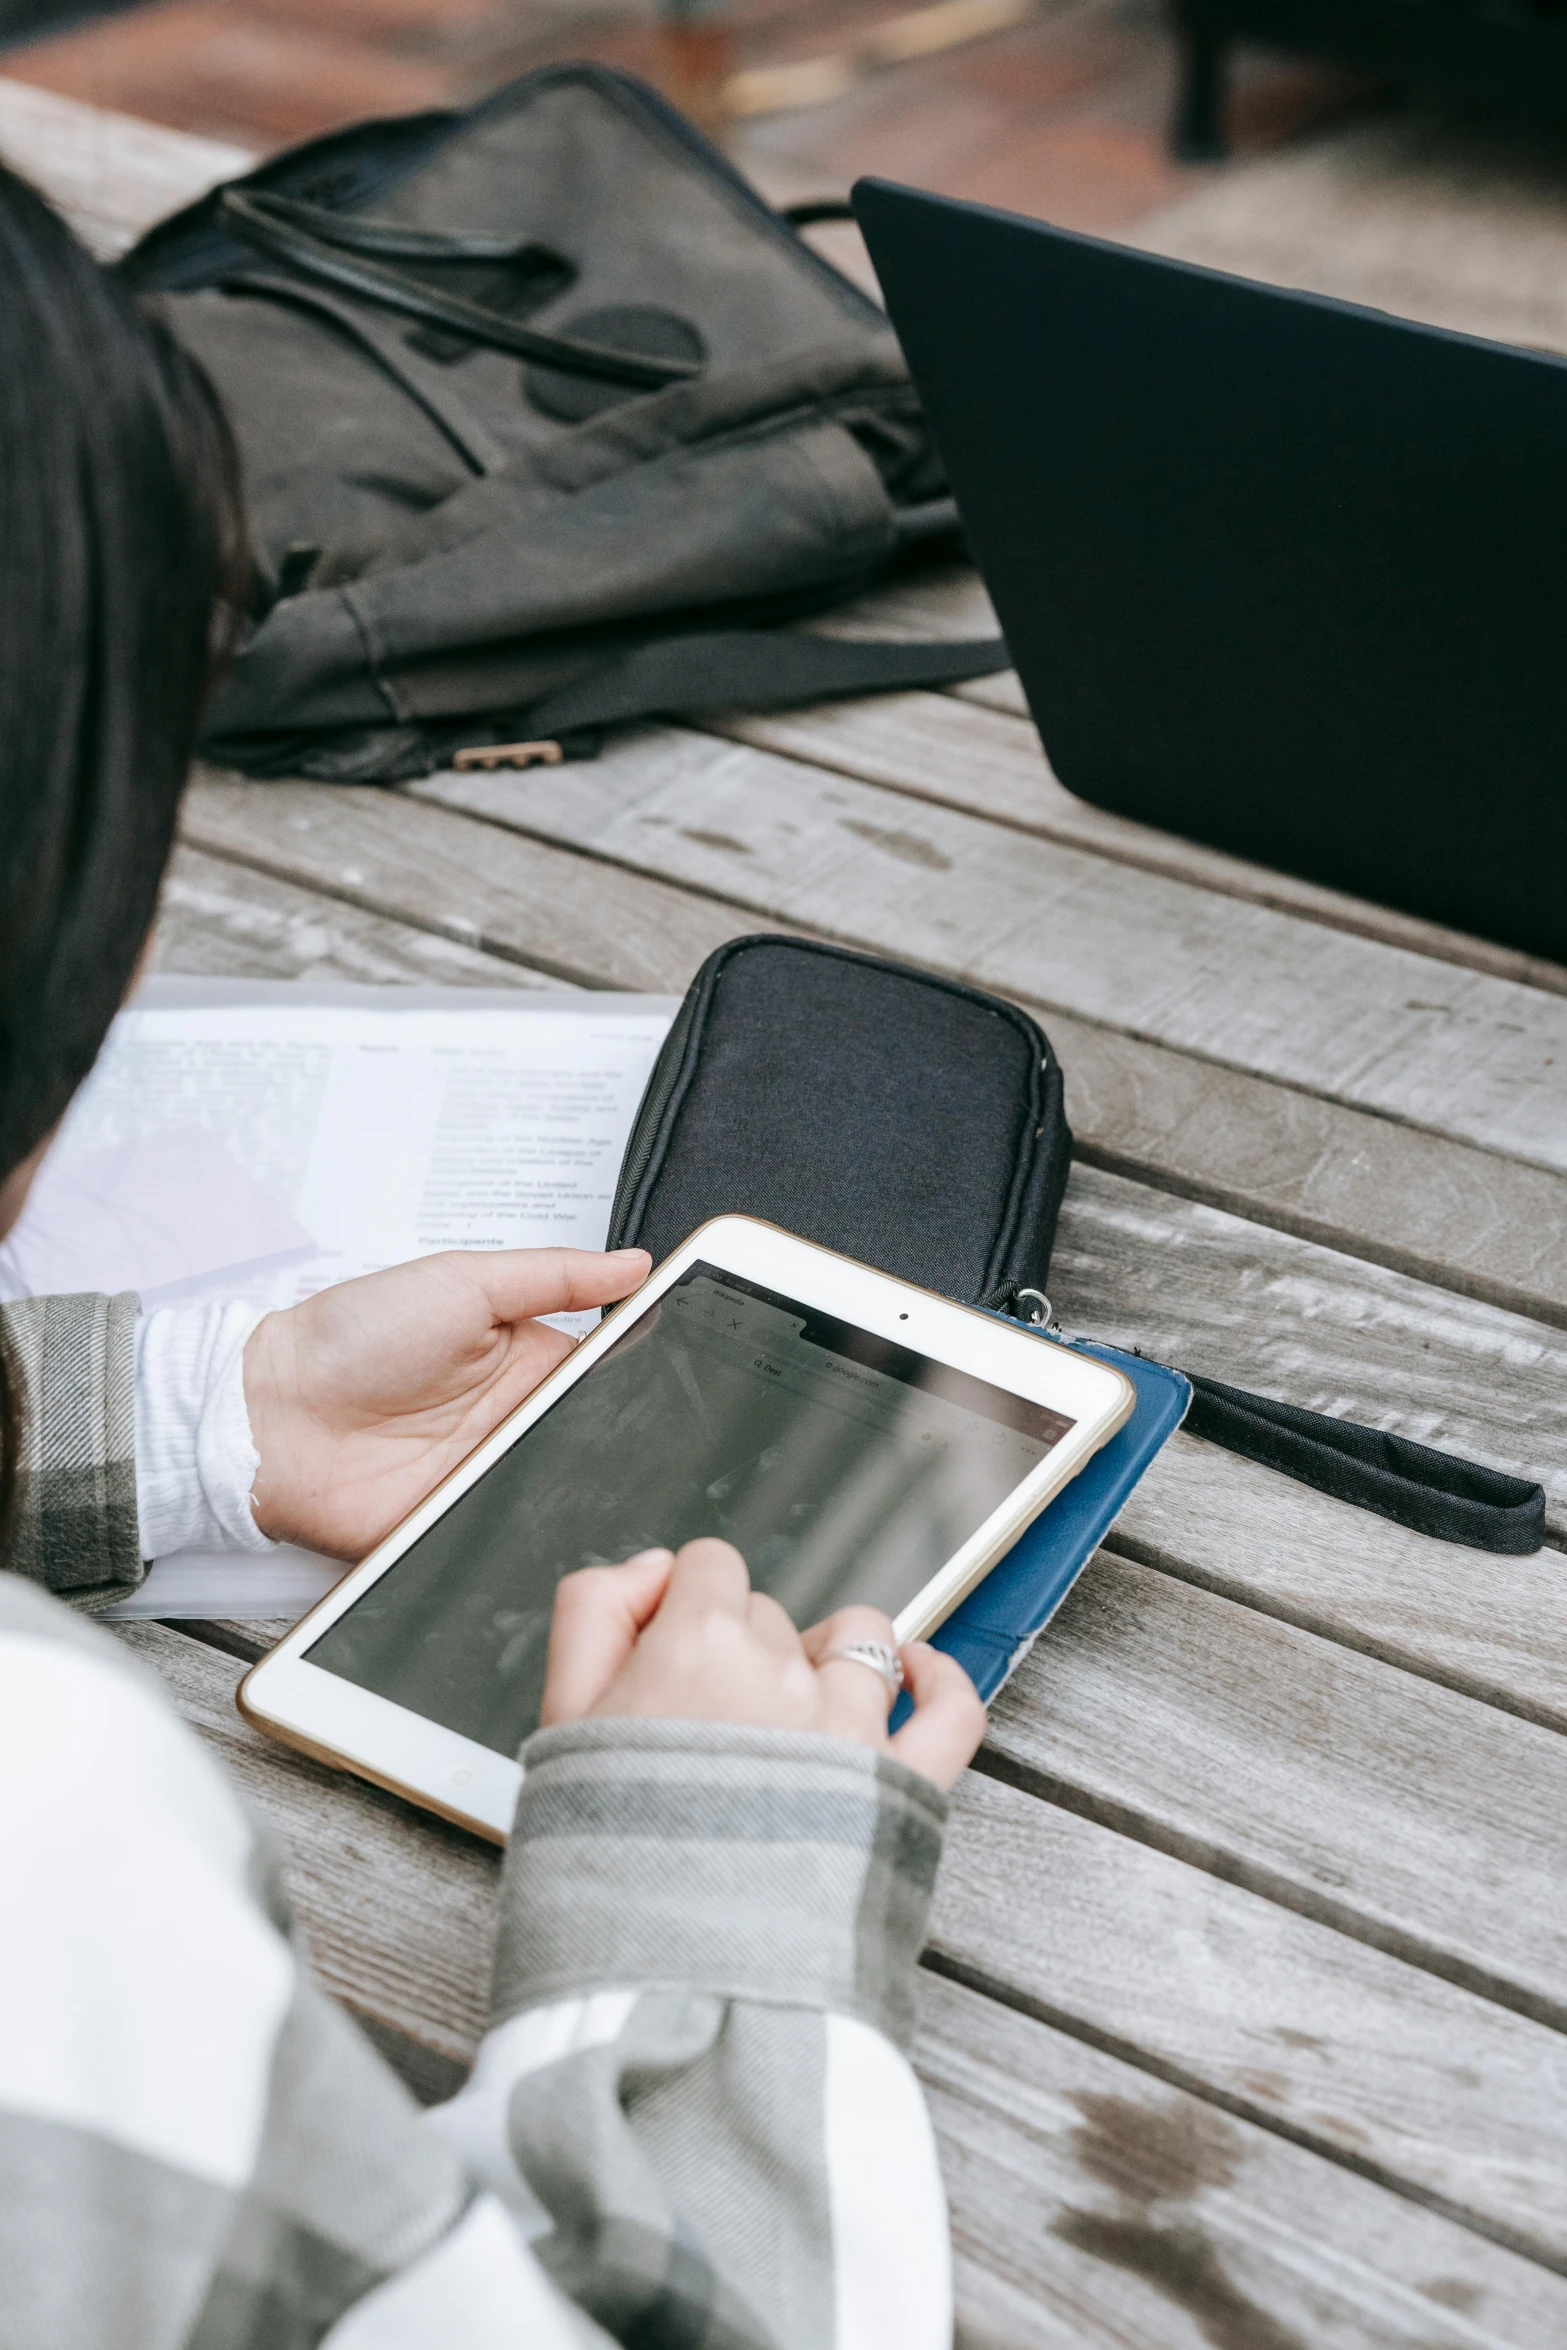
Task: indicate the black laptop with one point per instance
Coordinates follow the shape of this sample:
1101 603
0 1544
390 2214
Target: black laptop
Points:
1283 575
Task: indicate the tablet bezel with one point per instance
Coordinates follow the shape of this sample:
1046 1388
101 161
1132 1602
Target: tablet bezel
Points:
341 1723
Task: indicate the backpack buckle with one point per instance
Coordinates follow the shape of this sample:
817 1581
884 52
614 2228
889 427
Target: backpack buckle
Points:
492 755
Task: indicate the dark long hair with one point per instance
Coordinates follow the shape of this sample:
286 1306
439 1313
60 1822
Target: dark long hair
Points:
119 550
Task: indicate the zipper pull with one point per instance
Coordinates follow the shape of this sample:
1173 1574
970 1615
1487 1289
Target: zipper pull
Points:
1039 1311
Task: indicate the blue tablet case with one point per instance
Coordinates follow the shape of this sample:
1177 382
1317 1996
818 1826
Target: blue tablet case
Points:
992 1630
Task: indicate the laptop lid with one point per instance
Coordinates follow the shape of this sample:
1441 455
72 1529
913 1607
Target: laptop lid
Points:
1280 574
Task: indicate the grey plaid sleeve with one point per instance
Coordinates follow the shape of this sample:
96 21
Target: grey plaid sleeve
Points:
774 1865
695 2090
73 1362
689 2124
198 2150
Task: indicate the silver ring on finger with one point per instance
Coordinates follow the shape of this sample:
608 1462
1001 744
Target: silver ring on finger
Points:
885 1662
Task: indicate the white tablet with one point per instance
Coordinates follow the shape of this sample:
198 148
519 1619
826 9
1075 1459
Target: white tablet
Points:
855 1438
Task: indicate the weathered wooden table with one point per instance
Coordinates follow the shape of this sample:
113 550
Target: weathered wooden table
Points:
1245 2014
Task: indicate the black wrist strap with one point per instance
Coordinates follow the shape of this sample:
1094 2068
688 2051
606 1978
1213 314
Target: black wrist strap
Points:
1431 1492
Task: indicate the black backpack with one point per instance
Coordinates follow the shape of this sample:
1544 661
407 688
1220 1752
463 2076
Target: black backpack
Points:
547 421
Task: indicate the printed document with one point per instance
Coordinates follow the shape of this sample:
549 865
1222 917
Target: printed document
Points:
265 1139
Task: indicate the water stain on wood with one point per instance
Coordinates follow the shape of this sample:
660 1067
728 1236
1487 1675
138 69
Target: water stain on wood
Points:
910 847
1180 2263
1455 2293
1149 2153
1150 2156
715 840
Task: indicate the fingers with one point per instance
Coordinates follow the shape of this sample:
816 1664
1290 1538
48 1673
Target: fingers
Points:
948 1720
707 1575
599 1613
858 1700
547 1349
521 1283
771 1625
848 1624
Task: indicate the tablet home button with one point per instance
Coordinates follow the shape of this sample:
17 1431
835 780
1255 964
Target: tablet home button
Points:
461 1778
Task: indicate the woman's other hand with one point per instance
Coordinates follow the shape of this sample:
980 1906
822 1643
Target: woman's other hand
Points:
684 1635
362 1398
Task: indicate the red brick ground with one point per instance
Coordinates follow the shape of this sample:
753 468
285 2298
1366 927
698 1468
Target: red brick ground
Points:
1064 116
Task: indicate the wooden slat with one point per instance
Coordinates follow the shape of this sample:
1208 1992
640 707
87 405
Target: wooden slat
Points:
1294 2026
398 1910
229 921
1419 1203
1493 1628
1491 1228
561 914
1002 692
248 1638
949 600
1455 1051
943 599
1338 2046
937 747
1391 1808
1233 1300
1091 2204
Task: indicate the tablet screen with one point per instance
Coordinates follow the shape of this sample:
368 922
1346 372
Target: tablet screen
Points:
841 1465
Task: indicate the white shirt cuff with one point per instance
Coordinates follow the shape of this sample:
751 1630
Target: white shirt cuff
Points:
195 1458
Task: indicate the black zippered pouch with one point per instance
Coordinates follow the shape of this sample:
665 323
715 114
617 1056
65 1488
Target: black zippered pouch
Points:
903 1119
920 1126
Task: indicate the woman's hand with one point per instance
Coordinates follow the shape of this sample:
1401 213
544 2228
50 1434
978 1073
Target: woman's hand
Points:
683 1634
362 1398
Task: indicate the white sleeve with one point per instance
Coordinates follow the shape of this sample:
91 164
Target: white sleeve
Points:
195 1458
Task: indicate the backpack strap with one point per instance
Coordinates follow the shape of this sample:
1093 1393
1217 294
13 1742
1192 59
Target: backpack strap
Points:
351 254
1431 1492
753 669
424 383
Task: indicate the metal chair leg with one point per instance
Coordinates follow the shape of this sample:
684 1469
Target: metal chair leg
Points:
1199 135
